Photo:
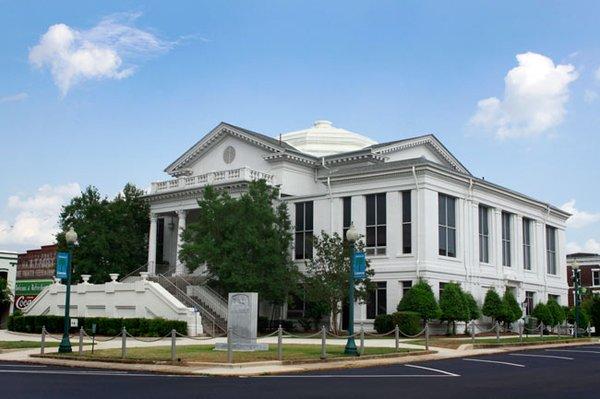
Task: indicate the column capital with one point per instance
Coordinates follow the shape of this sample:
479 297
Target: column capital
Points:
153 216
181 213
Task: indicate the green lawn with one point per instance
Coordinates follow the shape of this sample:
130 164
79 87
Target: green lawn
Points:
24 344
206 353
455 343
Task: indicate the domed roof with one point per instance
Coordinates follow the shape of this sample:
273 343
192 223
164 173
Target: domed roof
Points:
324 139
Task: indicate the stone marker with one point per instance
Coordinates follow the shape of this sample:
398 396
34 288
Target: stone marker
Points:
242 316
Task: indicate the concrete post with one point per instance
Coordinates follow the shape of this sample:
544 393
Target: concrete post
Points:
497 332
521 325
323 343
123 343
81 341
472 332
43 341
397 337
173 346
542 330
229 347
280 343
426 335
362 339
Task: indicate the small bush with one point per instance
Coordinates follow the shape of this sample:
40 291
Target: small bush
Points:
420 299
409 323
384 323
543 314
104 325
558 314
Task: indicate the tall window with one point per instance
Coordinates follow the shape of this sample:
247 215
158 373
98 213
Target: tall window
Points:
596 278
377 300
441 289
304 230
484 234
406 223
406 286
506 238
551 249
376 224
529 302
447 225
552 297
527 223
347 215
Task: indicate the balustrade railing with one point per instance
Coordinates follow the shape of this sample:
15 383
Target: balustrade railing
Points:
218 177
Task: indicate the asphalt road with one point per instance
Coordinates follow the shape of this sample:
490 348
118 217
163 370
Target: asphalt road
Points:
570 372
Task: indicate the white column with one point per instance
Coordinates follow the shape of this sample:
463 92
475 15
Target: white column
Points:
152 245
180 266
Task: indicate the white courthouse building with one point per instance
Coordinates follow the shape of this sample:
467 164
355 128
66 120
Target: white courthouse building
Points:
421 212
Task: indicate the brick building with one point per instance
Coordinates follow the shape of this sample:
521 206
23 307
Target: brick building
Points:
590 272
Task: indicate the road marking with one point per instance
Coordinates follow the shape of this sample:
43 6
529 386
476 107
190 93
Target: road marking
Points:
571 350
432 369
546 356
93 373
358 376
495 361
22 365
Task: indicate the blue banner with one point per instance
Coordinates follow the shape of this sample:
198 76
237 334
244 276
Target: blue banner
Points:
62 264
359 264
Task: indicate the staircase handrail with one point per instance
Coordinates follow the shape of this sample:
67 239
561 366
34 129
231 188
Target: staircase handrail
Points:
211 298
205 312
135 271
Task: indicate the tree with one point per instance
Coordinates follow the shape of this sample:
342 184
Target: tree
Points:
244 242
511 309
112 234
453 306
5 293
558 314
594 313
420 299
493 306
328 271
543 314
584 318
474 311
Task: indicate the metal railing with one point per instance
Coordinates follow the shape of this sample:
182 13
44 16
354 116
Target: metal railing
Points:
210 298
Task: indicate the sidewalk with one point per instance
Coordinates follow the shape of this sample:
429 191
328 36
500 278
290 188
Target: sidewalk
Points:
257 368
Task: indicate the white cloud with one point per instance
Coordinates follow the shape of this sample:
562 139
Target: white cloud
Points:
579 218
14 98
105 51
591 246
589 96
597 74
33 219
535 94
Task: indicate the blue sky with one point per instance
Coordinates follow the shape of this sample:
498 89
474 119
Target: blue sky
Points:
120 89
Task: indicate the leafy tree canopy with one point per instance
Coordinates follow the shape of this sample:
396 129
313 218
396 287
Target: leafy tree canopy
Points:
328 272
543 314
474 311
420 299
510 307
5 293
244 242
558 313
453 305
493 306
112 234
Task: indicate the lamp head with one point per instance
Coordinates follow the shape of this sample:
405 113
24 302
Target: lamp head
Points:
71 236
352 234
575 265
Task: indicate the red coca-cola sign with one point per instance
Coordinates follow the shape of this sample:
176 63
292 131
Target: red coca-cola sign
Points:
22 301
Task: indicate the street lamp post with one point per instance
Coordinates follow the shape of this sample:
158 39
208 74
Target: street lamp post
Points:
576 276
350 349
65 343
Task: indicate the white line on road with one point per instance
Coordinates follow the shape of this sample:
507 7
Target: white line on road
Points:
495 361
432 369
546 356
358 376
22 365
92 373
571 350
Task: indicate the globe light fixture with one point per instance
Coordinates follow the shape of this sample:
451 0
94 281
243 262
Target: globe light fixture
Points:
71 236
352 234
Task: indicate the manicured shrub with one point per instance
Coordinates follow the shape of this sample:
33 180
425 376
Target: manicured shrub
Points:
558 314
493 306
453 306
474 311
383 323
420 299
408 322
104 325
543 314
511 310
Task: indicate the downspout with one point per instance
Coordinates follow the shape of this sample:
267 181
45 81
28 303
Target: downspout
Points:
330 196
469 230
414 172
545 270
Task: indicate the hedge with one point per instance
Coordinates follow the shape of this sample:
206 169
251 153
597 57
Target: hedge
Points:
408 322
104 325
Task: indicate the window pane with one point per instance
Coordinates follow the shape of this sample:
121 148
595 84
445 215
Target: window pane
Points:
347 203
308 245
451 242
370 236
451 212
381 236
406 206
381 299
300 216
406 238
371 302
442 241
370 210
299 246
309 216
442 209
381 208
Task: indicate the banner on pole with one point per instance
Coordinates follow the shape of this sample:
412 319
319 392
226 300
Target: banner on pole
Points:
359 264
62 265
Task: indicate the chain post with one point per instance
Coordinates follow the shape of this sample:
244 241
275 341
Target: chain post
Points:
558 330
589 330
472 332
173 346
362 339
43 341
397 337
497 332
426 335
521 326
323 343
81 341
229 348
280 343
123 343
542 330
